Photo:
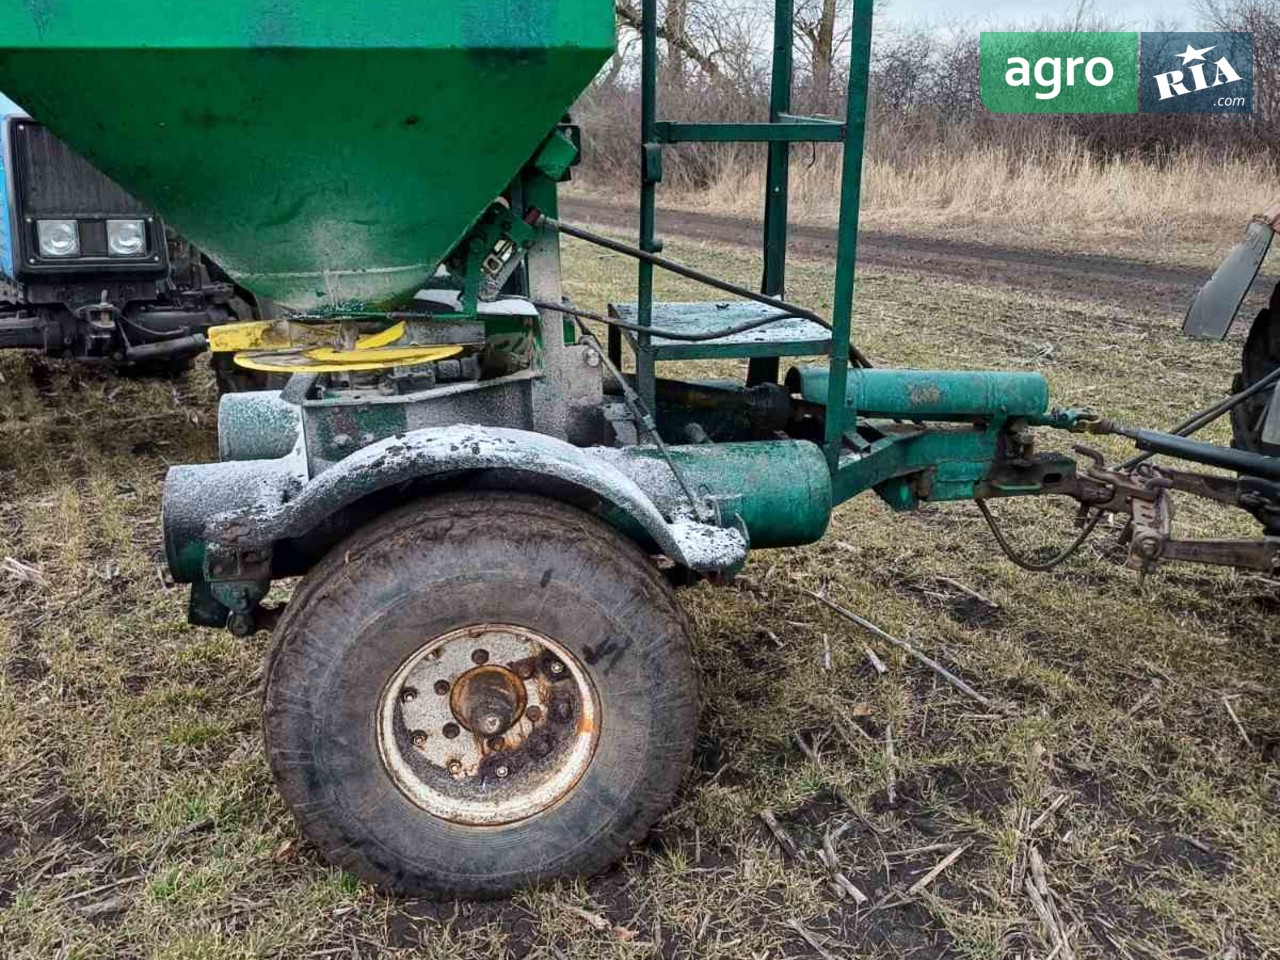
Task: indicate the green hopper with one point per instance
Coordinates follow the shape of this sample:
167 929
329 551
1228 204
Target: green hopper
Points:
324 152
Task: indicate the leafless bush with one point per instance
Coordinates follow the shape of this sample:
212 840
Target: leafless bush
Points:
924 94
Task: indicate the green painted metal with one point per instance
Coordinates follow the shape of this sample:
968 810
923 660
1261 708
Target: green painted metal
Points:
323 151
934 465
927 394
650 177
781 490
777 177
847 234
781 131
795 337
259 425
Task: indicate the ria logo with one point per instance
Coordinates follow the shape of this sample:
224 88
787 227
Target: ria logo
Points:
1197 73
1174 83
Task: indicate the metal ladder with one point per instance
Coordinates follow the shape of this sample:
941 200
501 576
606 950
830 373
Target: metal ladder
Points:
780 132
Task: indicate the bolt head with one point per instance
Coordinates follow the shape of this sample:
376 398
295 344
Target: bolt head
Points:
556 667
502 771
442 687
534 713
479 657
455 768
408 695
451 730
420 739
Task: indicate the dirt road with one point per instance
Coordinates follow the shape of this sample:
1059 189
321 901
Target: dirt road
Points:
1133 283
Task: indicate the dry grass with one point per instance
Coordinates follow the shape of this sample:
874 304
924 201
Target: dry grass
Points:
137 818
1051 194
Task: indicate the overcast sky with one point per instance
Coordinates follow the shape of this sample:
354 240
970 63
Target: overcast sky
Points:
1131 14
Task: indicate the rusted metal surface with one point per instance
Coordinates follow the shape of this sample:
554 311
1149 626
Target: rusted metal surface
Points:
488 725
1143 493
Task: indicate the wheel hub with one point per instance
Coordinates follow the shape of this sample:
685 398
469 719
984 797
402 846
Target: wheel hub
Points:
488 700
488 724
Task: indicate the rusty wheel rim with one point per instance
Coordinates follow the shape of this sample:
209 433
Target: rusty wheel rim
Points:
488 724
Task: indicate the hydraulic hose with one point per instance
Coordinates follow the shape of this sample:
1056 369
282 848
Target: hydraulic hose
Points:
680 335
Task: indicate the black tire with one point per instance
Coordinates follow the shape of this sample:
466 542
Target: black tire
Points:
433 567
1260 356
232 379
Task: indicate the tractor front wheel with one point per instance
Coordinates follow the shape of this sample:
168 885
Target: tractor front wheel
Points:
479 691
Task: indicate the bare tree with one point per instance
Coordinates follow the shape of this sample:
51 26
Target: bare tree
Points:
817 26
674 33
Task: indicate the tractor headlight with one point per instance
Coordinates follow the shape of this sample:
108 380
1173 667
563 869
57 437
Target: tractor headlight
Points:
126 238
58 238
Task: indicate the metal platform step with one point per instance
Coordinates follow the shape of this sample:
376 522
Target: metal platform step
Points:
794 337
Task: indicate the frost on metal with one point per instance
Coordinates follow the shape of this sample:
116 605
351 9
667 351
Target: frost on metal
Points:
422 453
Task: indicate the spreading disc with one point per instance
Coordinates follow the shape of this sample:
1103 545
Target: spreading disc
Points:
281 346
330 360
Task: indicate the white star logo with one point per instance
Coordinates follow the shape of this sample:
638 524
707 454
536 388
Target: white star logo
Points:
1192 53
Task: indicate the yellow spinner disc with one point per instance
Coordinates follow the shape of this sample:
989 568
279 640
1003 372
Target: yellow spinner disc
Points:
330 360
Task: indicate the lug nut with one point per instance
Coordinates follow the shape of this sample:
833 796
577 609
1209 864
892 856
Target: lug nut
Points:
420 739
408 695
534 713
479 657
451 730
455 768
501 770
442 687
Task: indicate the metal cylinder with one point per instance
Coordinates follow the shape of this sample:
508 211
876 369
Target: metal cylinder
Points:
257 426
781 490
195 494
930 394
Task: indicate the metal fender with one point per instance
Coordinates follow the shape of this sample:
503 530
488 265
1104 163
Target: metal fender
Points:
529 459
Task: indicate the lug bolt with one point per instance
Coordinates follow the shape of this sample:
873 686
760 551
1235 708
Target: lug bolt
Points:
534 713
420 739
451 730
501 770
479 657
408 695
442 687
455 768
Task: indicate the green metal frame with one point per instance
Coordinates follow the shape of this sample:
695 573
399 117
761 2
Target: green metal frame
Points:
783 129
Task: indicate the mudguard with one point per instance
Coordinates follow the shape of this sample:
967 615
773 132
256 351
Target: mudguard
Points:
286 506
1216 305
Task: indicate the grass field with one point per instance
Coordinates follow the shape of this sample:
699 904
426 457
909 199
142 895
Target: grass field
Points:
1052 192
137 817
